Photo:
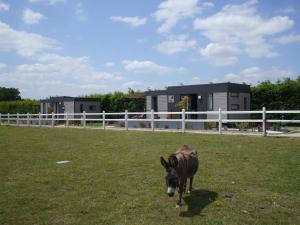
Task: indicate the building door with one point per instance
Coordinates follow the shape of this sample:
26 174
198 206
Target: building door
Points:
193 105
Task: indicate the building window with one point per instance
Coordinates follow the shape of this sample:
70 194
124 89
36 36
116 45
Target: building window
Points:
234 94
92 108
171 99
155 107
235 107
81 108
245 103
210 102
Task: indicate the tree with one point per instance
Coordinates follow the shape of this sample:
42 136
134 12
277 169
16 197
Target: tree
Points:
282 95
7 94
183 103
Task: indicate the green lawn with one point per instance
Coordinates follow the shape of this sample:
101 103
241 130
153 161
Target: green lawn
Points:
115 177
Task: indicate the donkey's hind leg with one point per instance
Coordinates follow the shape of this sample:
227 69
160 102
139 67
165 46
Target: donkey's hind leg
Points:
191 185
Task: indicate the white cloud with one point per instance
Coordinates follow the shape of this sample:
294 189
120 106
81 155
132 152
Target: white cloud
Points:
50 74
2 66
208 5
220 55
79 11
287 39
141 40
132 21
170 12
195 78
287 10
133 84
31 17
109 64
24 43
148 67
241 26
54 74
50 2
176 44
254 74
4 6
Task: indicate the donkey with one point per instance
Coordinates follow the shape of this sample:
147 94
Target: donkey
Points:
180 166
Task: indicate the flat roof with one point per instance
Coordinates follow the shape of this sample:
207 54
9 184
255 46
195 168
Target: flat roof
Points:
68 98
217 87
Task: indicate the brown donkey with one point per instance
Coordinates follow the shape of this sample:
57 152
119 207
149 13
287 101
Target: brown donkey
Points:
180 166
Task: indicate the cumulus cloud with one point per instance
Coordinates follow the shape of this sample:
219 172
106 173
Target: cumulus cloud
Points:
175 44
79 12
51 73
255 74
109 64
148 67
50 2
132 21
4 6
133 84
31 17
287 39
287 10
170 12
24 43
2 66
220 55
241 26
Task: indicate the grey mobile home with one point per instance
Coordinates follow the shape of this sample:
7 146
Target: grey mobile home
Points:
203 97
65 104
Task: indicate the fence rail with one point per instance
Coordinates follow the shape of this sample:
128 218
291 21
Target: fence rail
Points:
105 117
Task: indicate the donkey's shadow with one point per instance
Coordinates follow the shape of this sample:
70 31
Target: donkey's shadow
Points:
197 201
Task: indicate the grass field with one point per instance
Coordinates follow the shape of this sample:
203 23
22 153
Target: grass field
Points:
116 178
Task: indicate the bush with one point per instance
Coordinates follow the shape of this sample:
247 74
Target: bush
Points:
19 106
211 125
242 126
276 127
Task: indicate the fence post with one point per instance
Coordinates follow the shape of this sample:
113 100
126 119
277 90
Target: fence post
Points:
28 119
67 120
84 119
220 121
126 120
40 122
152 120
52 120
183 121
103 119
264 118
18 116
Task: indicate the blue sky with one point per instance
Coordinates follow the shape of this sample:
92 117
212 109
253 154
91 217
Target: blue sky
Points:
64 47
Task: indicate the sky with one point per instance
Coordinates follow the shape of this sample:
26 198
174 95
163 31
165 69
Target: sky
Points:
76 47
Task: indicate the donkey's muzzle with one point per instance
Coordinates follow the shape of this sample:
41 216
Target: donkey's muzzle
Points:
170 194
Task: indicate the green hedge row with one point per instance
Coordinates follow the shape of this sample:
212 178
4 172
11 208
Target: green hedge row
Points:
20 106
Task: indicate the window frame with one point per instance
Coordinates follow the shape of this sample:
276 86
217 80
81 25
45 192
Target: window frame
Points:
210 102
235 109
234 94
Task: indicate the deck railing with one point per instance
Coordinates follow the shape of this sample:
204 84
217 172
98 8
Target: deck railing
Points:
151 118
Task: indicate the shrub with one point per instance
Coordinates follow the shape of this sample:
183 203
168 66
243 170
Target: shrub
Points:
19 106
242 126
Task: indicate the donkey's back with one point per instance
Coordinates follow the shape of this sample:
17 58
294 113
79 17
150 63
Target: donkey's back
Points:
188 162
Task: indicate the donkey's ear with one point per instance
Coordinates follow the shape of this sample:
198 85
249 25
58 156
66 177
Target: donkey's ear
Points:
173 161
164 162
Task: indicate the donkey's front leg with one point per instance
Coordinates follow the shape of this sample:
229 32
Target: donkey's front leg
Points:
181 189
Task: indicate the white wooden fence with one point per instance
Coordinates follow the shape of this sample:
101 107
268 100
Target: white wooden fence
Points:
84 117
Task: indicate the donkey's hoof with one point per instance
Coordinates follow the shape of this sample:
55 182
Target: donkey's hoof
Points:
177 206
